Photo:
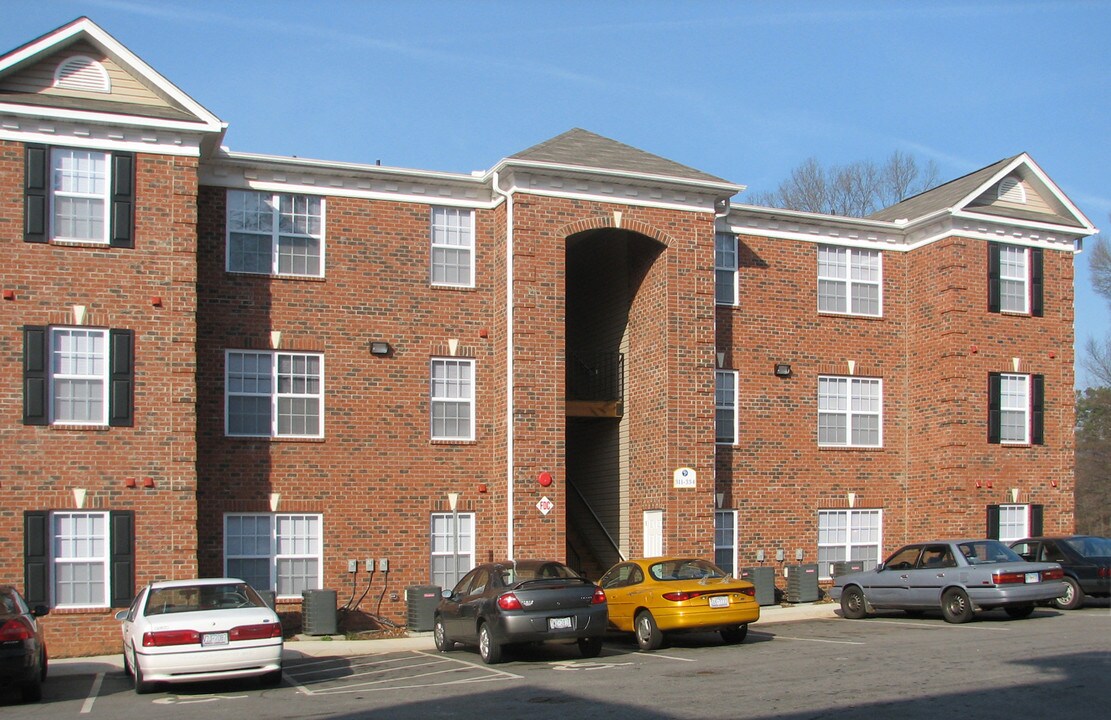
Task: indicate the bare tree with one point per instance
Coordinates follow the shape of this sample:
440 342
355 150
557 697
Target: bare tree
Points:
1093 415
857 189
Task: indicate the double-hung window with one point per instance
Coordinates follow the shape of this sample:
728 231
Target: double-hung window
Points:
76 195
452 396
848 535
725 394
79 559
275 233
850 411
274 394
1014 521
1016 414
1015 279
725 268
452 247
452 547
849 281
77 376
280 552
725 540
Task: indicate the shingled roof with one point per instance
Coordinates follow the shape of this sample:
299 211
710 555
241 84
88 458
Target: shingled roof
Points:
941 197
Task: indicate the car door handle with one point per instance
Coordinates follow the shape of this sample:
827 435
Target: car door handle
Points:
905 577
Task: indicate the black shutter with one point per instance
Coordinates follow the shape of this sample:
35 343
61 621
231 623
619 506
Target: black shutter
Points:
993 277
121 391
123 201
122 531
36 557
36 177
995 411
1037 512
993 522
34 375
1037 283
1037 409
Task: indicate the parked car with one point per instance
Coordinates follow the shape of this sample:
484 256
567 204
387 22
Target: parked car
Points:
1085 559
957 577
653 596
523 601
202 629
23 657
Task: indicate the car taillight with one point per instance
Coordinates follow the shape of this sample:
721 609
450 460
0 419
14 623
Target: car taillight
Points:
681 596
1105 572
1006 578
1054 574
166 638
599 597
509 601
256 632
16 629
750 591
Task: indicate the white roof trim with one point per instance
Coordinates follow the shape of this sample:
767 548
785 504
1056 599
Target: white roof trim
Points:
731 188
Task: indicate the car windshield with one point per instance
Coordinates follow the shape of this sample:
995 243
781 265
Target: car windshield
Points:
982 552
521 572
1091 546
685 569
193 598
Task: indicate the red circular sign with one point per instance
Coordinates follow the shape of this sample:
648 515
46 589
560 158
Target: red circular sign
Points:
545 478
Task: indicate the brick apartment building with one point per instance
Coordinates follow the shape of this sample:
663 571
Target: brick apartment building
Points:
275 368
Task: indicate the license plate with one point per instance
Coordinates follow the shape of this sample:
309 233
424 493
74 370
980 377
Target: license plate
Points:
719 601
563 623
214 639
1032 577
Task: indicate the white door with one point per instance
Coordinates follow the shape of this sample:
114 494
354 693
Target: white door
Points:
653 533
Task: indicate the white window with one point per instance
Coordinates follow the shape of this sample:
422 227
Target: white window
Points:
1014 273
725 268
280 552
79 376
848 535
849 281
79 554
725 392
79 195
452 247
452 547
725 540
1014 407
850 411
274 394
275 233
1013 522
452 399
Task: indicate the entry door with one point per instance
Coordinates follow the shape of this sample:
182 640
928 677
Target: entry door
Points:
653 533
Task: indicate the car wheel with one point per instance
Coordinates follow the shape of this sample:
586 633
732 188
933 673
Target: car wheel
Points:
955 606
142 687
853 606
734 635
126 665
31 691
45 664
648 634
439 634
1019 611
590 647
271 679
488 648
1073 597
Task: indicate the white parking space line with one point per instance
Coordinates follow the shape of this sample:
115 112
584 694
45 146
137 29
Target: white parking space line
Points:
658 656
816 640
87 706
393 673
939 626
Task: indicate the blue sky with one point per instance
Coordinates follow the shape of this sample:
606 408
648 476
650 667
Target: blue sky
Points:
742 90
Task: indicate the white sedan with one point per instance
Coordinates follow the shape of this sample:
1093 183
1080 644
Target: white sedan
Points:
206 629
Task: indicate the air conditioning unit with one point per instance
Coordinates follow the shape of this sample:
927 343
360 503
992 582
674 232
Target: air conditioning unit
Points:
318 612
802 583
421 602
764 580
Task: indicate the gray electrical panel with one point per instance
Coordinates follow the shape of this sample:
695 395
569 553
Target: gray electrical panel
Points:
318 612
802 583
421 602
764 580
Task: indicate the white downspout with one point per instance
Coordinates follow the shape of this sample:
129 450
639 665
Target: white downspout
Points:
509 410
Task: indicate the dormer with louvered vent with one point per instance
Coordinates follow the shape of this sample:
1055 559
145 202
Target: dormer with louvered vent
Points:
81 72
1011 190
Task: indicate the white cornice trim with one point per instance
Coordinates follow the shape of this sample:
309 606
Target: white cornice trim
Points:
606 188
718 188
128 139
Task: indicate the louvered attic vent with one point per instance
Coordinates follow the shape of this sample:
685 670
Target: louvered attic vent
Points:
1011 190
82 73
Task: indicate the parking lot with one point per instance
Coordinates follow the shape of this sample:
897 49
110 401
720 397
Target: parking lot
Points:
889 665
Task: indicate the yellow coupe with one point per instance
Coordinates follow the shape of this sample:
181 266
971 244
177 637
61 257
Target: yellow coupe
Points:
653 596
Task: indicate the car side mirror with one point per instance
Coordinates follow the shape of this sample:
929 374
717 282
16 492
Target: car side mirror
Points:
121 615
447 594
880 567
40 610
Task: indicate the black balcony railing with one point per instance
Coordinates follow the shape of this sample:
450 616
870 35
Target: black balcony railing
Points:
596 376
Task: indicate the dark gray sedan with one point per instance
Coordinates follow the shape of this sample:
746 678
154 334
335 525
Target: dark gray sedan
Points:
523 601
956 576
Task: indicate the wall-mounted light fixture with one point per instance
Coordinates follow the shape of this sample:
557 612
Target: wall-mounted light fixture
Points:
380 348
782 370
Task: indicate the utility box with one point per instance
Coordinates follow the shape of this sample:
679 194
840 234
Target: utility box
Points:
802 583
318 612
764 580
844 567
421 602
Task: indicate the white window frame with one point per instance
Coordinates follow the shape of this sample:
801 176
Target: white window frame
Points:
653 533
270 385
725 268
86 365
452 234
725 401
845 273
1014 279
307 545
848 404
292 218
451 543
1014 402
855 535
725 539
80 548
452 390
1014 522
98 175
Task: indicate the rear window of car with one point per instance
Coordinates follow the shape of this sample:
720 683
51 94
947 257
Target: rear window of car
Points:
545 571
988 551
195 598
684 570
1091 546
